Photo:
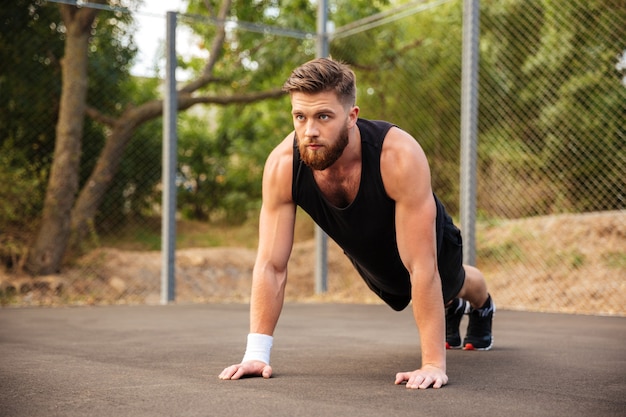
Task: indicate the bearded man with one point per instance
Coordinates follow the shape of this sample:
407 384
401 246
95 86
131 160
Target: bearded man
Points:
367 185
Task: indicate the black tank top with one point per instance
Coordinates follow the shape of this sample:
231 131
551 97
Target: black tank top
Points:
365 229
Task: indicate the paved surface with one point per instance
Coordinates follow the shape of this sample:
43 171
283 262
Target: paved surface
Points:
328 360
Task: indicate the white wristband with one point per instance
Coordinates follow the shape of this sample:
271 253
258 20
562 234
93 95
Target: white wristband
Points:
258 348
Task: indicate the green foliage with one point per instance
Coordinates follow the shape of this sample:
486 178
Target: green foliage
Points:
528 186
111 54
248 61
404 72
30 48
221 166
554 87
112 51
22 189
549 67
221 154
504 250
615 260
577 259
557 93
585 116
135 190
22 186
510 36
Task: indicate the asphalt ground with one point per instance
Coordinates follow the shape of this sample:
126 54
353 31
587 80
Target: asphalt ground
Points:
328 360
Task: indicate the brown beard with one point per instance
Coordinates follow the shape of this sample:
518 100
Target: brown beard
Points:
324 157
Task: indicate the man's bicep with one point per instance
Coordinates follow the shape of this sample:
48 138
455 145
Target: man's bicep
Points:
276 232
415 224
278 211
407 180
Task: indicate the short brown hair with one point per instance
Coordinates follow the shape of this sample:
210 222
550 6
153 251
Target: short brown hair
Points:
324 74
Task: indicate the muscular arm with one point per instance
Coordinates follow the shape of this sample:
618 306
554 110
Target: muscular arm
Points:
406 176
269 276
276 227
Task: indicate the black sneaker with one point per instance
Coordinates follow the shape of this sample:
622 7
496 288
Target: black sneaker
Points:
454 314
479 336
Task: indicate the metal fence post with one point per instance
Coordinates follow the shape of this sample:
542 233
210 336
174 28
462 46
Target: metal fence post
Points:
469 127
168 216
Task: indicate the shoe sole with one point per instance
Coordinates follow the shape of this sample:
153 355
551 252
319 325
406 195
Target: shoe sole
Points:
466 309
450 347
469 346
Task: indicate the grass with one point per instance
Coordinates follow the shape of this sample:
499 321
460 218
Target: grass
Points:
615 260
146 235
505 250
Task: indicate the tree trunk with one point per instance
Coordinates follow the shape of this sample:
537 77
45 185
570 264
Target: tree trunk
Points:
67 219
122 130
93 192
46 254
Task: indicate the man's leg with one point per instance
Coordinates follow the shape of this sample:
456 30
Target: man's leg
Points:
455 310
479 334
474 288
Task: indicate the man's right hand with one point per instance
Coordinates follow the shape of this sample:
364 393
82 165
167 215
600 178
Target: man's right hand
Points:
249 368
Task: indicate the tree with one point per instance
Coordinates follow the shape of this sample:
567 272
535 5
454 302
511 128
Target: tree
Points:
68 215
409 76
550 83
49 247
31 46
584 114
28 106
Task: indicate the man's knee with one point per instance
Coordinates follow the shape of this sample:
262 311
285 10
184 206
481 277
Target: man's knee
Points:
475 286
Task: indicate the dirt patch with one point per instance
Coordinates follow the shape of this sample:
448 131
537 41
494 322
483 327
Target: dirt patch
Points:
567 263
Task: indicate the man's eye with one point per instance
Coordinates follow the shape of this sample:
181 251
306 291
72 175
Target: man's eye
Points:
323 116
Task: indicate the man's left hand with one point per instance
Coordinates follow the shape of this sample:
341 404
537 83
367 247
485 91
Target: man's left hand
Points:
425 377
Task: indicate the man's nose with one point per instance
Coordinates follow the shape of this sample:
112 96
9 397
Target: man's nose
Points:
311 129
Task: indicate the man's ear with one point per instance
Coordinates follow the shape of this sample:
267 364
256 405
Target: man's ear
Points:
353 115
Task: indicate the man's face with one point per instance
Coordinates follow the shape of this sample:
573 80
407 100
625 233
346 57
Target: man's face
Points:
322 125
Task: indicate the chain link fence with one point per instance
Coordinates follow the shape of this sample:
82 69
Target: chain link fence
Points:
551 227
552 154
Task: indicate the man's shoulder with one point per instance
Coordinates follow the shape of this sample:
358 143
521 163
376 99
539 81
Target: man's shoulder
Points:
374 132
403 160
282 154
376 125
277 173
